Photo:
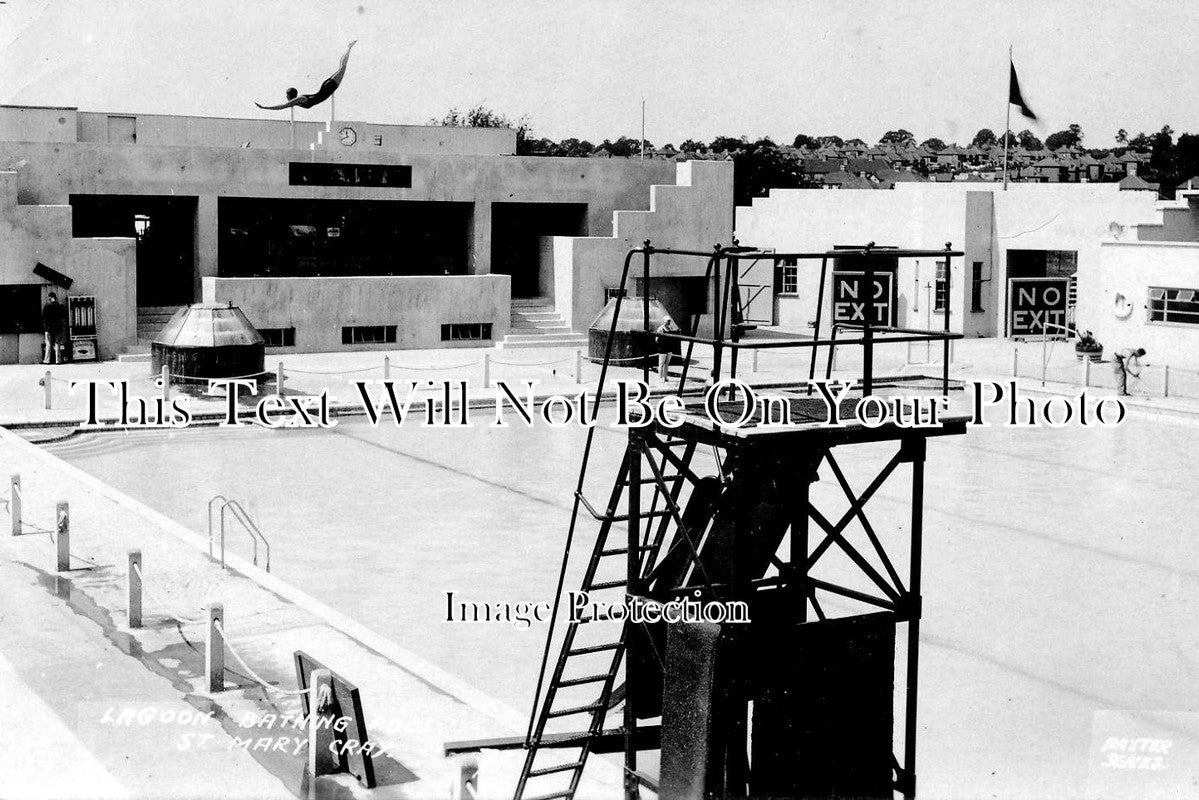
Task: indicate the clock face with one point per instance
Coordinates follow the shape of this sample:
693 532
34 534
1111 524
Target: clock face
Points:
348 136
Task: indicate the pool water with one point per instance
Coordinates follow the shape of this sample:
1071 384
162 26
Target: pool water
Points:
1060 572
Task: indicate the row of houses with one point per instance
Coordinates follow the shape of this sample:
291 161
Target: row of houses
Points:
856 166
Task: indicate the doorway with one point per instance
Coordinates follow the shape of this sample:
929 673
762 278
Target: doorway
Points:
516 232
164 228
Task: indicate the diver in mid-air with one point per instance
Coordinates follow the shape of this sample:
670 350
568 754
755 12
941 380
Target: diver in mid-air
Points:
320 95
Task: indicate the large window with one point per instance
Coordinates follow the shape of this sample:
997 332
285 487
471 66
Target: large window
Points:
368 334
1179 306
939 291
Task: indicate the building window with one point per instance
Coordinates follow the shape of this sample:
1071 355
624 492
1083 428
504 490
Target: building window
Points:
789 276
939 290
976 287
465 331
279 337
368 334
307 173
21 308
1174 305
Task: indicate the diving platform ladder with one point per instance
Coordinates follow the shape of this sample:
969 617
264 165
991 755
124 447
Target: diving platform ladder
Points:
583 685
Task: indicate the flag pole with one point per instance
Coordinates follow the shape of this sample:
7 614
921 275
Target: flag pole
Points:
1007 130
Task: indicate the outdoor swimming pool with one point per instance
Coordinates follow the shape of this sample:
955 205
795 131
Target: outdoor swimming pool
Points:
1059 565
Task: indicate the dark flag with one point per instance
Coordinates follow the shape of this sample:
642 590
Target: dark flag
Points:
1014 96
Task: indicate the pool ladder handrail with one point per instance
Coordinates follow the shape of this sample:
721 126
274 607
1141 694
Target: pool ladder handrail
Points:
240 514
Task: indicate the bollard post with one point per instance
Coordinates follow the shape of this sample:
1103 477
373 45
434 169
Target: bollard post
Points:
62 516
279 379
466 786
133 599
1166 380
578 366
754 365
321 736
487 370
46 383
1086 370
14 502
166 384
214 648
386 368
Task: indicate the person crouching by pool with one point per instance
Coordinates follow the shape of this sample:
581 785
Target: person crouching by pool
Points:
665 348
1128 362
54 328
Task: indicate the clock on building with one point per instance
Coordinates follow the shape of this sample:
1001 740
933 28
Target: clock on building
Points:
348 136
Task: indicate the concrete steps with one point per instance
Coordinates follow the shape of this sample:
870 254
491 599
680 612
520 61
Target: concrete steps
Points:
151 319
536 323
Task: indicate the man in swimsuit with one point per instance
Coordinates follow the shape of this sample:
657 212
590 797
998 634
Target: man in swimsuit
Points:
320 95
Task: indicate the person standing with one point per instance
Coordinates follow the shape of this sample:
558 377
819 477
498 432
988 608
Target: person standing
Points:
54 328
666 347
1128 362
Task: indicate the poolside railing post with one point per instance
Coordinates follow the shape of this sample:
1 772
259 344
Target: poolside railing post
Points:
214 648
166 383
133 597
754 366
279 379
322 759
46 388
578 366
466 787
1165 380
487 370
1015 361
14 502
62 518
386 368
1086 371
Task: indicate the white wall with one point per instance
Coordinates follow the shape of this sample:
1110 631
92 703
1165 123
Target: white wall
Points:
694 214
318 307
926 216
1130 268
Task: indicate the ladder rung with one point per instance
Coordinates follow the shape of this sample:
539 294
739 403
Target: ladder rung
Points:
607 585
594 648
567 712
533 773
674 476
582 680
551 796
627 517
620 551
563 738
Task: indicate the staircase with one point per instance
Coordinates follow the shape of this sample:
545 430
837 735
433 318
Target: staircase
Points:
151 319
536 323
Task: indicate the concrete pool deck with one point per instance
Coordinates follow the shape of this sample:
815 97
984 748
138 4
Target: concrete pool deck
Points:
69 660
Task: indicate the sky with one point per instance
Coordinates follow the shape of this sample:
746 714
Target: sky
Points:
582 68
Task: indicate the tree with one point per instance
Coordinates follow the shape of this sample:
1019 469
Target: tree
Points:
726 143
835 141
1121 136
805 142
574 148
1028 140
856 141
1071 137
934 144
483 117
691 146
984 138
1161 161
1142 141
900 136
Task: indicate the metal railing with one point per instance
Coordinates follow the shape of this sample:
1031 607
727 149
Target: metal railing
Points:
239 513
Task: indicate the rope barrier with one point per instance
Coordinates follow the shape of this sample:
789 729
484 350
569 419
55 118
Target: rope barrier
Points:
221 629
184 620
434 369
331 372
532 363
197 378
